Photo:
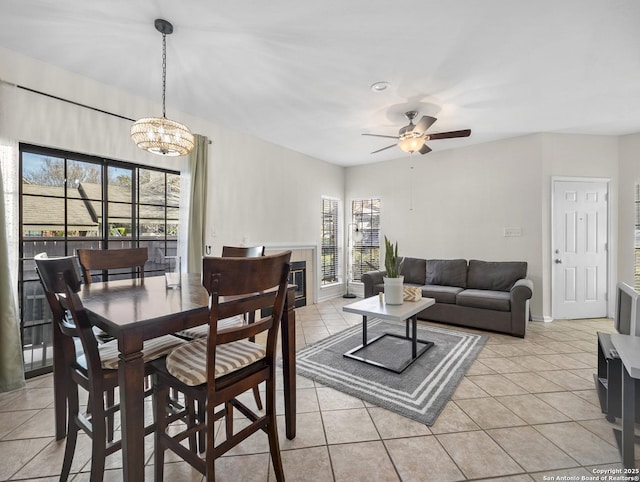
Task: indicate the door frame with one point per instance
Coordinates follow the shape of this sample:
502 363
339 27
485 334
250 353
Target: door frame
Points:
607 181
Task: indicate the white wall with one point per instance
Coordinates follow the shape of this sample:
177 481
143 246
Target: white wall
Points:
629 175
266 194
456 203
258 192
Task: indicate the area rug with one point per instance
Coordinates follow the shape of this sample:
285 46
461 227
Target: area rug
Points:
419 393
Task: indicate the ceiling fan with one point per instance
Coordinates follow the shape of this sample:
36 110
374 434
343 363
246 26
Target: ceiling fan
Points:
411 138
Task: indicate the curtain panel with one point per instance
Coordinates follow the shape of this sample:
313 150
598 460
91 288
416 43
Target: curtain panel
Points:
196 218
11 365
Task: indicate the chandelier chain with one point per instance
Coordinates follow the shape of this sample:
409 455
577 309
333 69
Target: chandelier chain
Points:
164 73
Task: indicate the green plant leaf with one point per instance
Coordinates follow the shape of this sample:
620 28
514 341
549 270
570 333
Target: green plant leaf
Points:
391 263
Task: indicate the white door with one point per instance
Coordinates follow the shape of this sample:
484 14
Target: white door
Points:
579 250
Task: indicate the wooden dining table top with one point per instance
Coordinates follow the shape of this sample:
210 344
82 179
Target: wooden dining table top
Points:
118 305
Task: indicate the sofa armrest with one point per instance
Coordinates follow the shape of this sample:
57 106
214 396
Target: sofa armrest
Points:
523 288
370 279
521 293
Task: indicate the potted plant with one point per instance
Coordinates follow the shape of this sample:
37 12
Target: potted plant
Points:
394 280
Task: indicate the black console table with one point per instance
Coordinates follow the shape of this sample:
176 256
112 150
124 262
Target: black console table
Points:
628 348
609 380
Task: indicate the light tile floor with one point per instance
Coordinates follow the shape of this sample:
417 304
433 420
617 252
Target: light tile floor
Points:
526 409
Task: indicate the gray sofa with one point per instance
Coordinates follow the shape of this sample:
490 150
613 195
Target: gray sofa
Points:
489 295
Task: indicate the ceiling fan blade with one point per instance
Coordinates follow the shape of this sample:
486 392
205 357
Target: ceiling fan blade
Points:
380 135
449 135
424 123
385 148
425 149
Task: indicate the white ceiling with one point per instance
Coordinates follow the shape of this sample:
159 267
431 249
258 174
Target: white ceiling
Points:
298 73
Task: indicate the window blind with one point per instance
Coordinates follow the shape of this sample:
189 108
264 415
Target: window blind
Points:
365 214
330 223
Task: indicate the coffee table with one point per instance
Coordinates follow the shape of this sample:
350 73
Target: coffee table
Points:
407 312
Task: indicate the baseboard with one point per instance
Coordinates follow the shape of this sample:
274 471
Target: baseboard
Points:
545 319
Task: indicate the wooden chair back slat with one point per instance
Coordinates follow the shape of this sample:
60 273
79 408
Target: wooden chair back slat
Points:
106 259
242 275
242 251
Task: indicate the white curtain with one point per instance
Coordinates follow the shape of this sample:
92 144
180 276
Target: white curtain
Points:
11 365
193 229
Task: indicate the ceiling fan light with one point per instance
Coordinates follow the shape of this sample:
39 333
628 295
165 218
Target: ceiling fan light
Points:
410 143
163 136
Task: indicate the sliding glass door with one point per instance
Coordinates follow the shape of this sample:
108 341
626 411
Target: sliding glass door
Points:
70 201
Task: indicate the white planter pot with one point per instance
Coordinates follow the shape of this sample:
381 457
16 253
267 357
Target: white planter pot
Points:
393 290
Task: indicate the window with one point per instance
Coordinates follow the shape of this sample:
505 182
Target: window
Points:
70 201
330 224
365 214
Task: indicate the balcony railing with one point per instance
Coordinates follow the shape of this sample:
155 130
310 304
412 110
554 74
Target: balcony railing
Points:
35 314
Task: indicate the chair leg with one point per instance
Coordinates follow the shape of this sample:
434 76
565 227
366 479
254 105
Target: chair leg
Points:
228 419
99 438
97 461
256 396
202 446
192 419
160 399
73 408
110 418
69 449
210 458
272 430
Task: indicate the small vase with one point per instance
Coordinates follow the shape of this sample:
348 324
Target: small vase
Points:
393 294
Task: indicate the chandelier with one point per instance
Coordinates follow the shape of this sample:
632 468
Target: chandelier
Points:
160 135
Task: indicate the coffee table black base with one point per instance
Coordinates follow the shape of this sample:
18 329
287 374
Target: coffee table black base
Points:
421 345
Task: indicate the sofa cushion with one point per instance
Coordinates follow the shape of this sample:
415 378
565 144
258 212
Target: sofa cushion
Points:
495 275
447 272
413 270
442 294
485 299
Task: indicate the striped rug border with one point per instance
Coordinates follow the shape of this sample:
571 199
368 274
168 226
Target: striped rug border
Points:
422 403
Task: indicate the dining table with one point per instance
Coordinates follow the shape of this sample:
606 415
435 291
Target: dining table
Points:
135 310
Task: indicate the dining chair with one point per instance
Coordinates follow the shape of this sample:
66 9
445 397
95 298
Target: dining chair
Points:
203 330
106 259
218 369
91 365
103 260
228 252
62 346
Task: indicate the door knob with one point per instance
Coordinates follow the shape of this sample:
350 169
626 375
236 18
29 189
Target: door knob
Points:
557 261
